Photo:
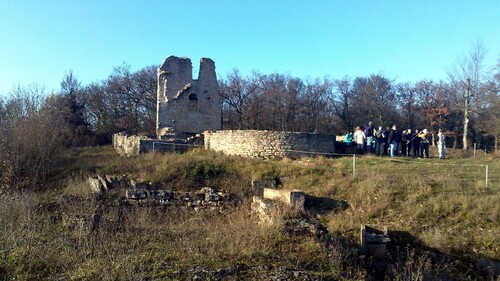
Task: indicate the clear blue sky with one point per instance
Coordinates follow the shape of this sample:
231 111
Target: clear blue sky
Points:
404 40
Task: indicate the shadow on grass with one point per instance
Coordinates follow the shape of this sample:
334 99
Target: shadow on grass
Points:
322 205
409 256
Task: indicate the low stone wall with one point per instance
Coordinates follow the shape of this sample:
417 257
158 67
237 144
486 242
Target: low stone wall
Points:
130 145
268 144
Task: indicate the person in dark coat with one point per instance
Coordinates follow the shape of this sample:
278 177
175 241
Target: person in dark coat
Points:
380 141
369 137
416 144
386 140
409 142
393 139
404 142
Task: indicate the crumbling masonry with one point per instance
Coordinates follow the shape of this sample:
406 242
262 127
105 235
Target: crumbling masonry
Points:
185 105
189 115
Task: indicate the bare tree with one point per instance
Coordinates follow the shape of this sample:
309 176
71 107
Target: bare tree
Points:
466 75
145 85
373 99
125 101
433 106
407 103
236 91
488 108
341 100
70 84
293 103
277 101
70 104
314 105
31 139
121 84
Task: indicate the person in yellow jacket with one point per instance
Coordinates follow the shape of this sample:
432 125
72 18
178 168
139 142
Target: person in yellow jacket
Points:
424 143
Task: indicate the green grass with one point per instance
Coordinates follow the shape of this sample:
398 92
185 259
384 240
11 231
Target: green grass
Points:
429 204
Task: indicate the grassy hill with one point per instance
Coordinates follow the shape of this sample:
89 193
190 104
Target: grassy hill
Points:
441 215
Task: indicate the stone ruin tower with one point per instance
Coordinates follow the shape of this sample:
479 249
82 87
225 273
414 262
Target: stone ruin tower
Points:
185 105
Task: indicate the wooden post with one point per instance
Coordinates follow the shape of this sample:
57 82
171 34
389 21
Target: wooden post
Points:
354 165
486 180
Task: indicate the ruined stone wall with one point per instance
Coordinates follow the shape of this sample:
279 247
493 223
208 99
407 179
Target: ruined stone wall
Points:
268 144
132 145
248 143
185 105
127 145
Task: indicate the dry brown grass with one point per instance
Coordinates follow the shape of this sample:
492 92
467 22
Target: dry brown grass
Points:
143 243
429 208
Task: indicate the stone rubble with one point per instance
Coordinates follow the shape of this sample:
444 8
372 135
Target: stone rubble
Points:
238 272
206 198
305 226
273 204
372 237
101 184
82 223
266 210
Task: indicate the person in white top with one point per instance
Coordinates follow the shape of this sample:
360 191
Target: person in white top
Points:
359 138
441 144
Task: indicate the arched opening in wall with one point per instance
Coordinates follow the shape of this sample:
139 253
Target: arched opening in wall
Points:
193 102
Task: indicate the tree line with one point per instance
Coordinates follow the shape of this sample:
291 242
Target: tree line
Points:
466 106
35 126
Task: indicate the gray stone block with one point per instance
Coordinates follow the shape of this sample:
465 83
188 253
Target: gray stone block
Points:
373 241
136 194
259 185
95 185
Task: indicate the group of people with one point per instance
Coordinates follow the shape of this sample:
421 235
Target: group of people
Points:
391 141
